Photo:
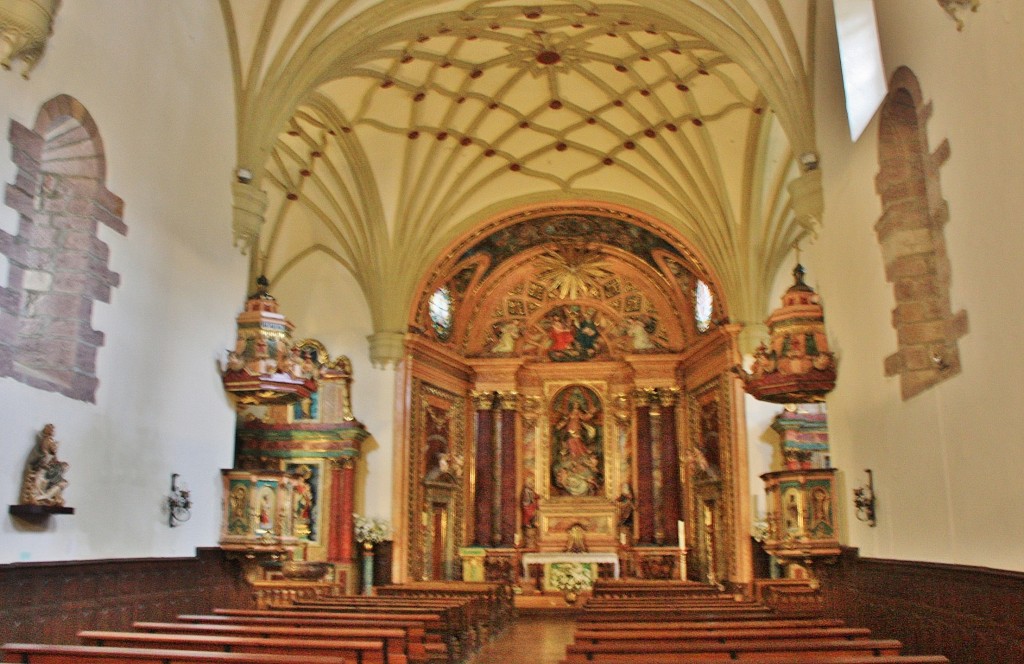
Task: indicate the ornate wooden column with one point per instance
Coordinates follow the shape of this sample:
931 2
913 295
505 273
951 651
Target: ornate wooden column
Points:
645 494
505 470
670 492
484 479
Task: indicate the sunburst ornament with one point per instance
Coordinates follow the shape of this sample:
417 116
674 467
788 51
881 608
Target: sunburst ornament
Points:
571 271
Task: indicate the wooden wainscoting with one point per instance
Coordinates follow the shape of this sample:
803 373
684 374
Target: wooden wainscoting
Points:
972 615
50 602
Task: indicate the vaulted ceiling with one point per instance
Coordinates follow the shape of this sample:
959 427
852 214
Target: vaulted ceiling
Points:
379 133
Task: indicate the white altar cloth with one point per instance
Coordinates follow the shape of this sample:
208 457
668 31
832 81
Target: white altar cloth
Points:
556 557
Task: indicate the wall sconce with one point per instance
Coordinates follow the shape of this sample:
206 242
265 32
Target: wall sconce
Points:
179 505
864 501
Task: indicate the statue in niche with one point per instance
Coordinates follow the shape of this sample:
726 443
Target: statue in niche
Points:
639 331
507 333
529 504
44 481
577 442
576 539
625 506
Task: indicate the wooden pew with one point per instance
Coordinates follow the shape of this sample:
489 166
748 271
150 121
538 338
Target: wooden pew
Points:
704 636
41 653
434 623
499 598
583 624
353 651
460 622
396 640
815 650
621 588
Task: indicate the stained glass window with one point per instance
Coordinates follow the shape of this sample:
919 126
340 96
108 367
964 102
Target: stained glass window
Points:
441 312
703 306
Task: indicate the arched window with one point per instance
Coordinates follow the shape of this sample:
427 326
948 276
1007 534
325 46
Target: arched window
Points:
440 309
703 306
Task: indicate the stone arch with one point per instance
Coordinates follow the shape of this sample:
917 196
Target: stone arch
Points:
58 266
910 231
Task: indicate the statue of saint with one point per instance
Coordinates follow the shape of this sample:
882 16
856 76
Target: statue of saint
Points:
528 503
625 505
44 474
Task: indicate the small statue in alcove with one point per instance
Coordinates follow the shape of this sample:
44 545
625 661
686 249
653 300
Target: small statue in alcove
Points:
44 481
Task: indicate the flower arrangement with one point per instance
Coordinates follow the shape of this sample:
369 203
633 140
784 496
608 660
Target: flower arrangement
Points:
372 530
571 577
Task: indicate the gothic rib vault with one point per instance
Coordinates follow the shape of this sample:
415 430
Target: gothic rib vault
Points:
378 134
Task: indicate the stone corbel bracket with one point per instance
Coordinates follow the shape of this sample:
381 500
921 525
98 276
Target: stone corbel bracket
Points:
25 26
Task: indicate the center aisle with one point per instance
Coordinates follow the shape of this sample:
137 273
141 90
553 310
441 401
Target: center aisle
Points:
531 639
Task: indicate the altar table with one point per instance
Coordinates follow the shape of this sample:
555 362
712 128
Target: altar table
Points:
557 557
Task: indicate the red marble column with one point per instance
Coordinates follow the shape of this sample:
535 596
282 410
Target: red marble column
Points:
509 504
644 477
340 532
670 484
483 496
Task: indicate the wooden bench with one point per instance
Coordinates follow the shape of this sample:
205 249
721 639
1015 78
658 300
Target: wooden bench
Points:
40 653
800 659
621 652
438 638
583 624
497 598
431 644
703 636
353 651
396 639
460 629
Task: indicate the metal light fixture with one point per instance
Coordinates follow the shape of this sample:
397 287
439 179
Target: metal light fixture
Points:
864 501
179 505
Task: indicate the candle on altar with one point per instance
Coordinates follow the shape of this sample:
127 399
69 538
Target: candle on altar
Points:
682 535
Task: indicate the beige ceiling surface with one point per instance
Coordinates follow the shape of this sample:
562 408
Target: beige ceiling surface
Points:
380 132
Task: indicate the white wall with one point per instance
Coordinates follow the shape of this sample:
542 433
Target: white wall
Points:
155 78
946 462
324 302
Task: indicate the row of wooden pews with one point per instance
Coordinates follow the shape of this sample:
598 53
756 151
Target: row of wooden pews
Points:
400 628
679 622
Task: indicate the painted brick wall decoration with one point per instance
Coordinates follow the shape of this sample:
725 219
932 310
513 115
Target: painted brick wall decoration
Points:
910 231
58 266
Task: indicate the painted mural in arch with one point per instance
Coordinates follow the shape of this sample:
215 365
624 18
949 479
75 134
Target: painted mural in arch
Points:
569 287
577 441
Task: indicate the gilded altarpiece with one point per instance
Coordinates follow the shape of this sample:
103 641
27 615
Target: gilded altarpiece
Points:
712 478
578 464
437 482
570 341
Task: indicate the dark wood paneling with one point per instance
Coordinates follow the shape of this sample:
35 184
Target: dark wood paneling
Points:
972 615
51 602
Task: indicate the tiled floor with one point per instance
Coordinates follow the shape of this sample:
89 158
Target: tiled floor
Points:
530 640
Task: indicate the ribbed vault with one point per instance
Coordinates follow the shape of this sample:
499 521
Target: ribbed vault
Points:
381 132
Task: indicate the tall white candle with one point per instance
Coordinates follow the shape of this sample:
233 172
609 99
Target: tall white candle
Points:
682 535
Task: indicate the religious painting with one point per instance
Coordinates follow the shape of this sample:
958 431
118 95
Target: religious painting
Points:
820 523
438 462
305 499
266 498
577 441
570 333
238 508
707 451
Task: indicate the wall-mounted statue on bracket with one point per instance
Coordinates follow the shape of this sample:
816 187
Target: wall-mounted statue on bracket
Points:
44 481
